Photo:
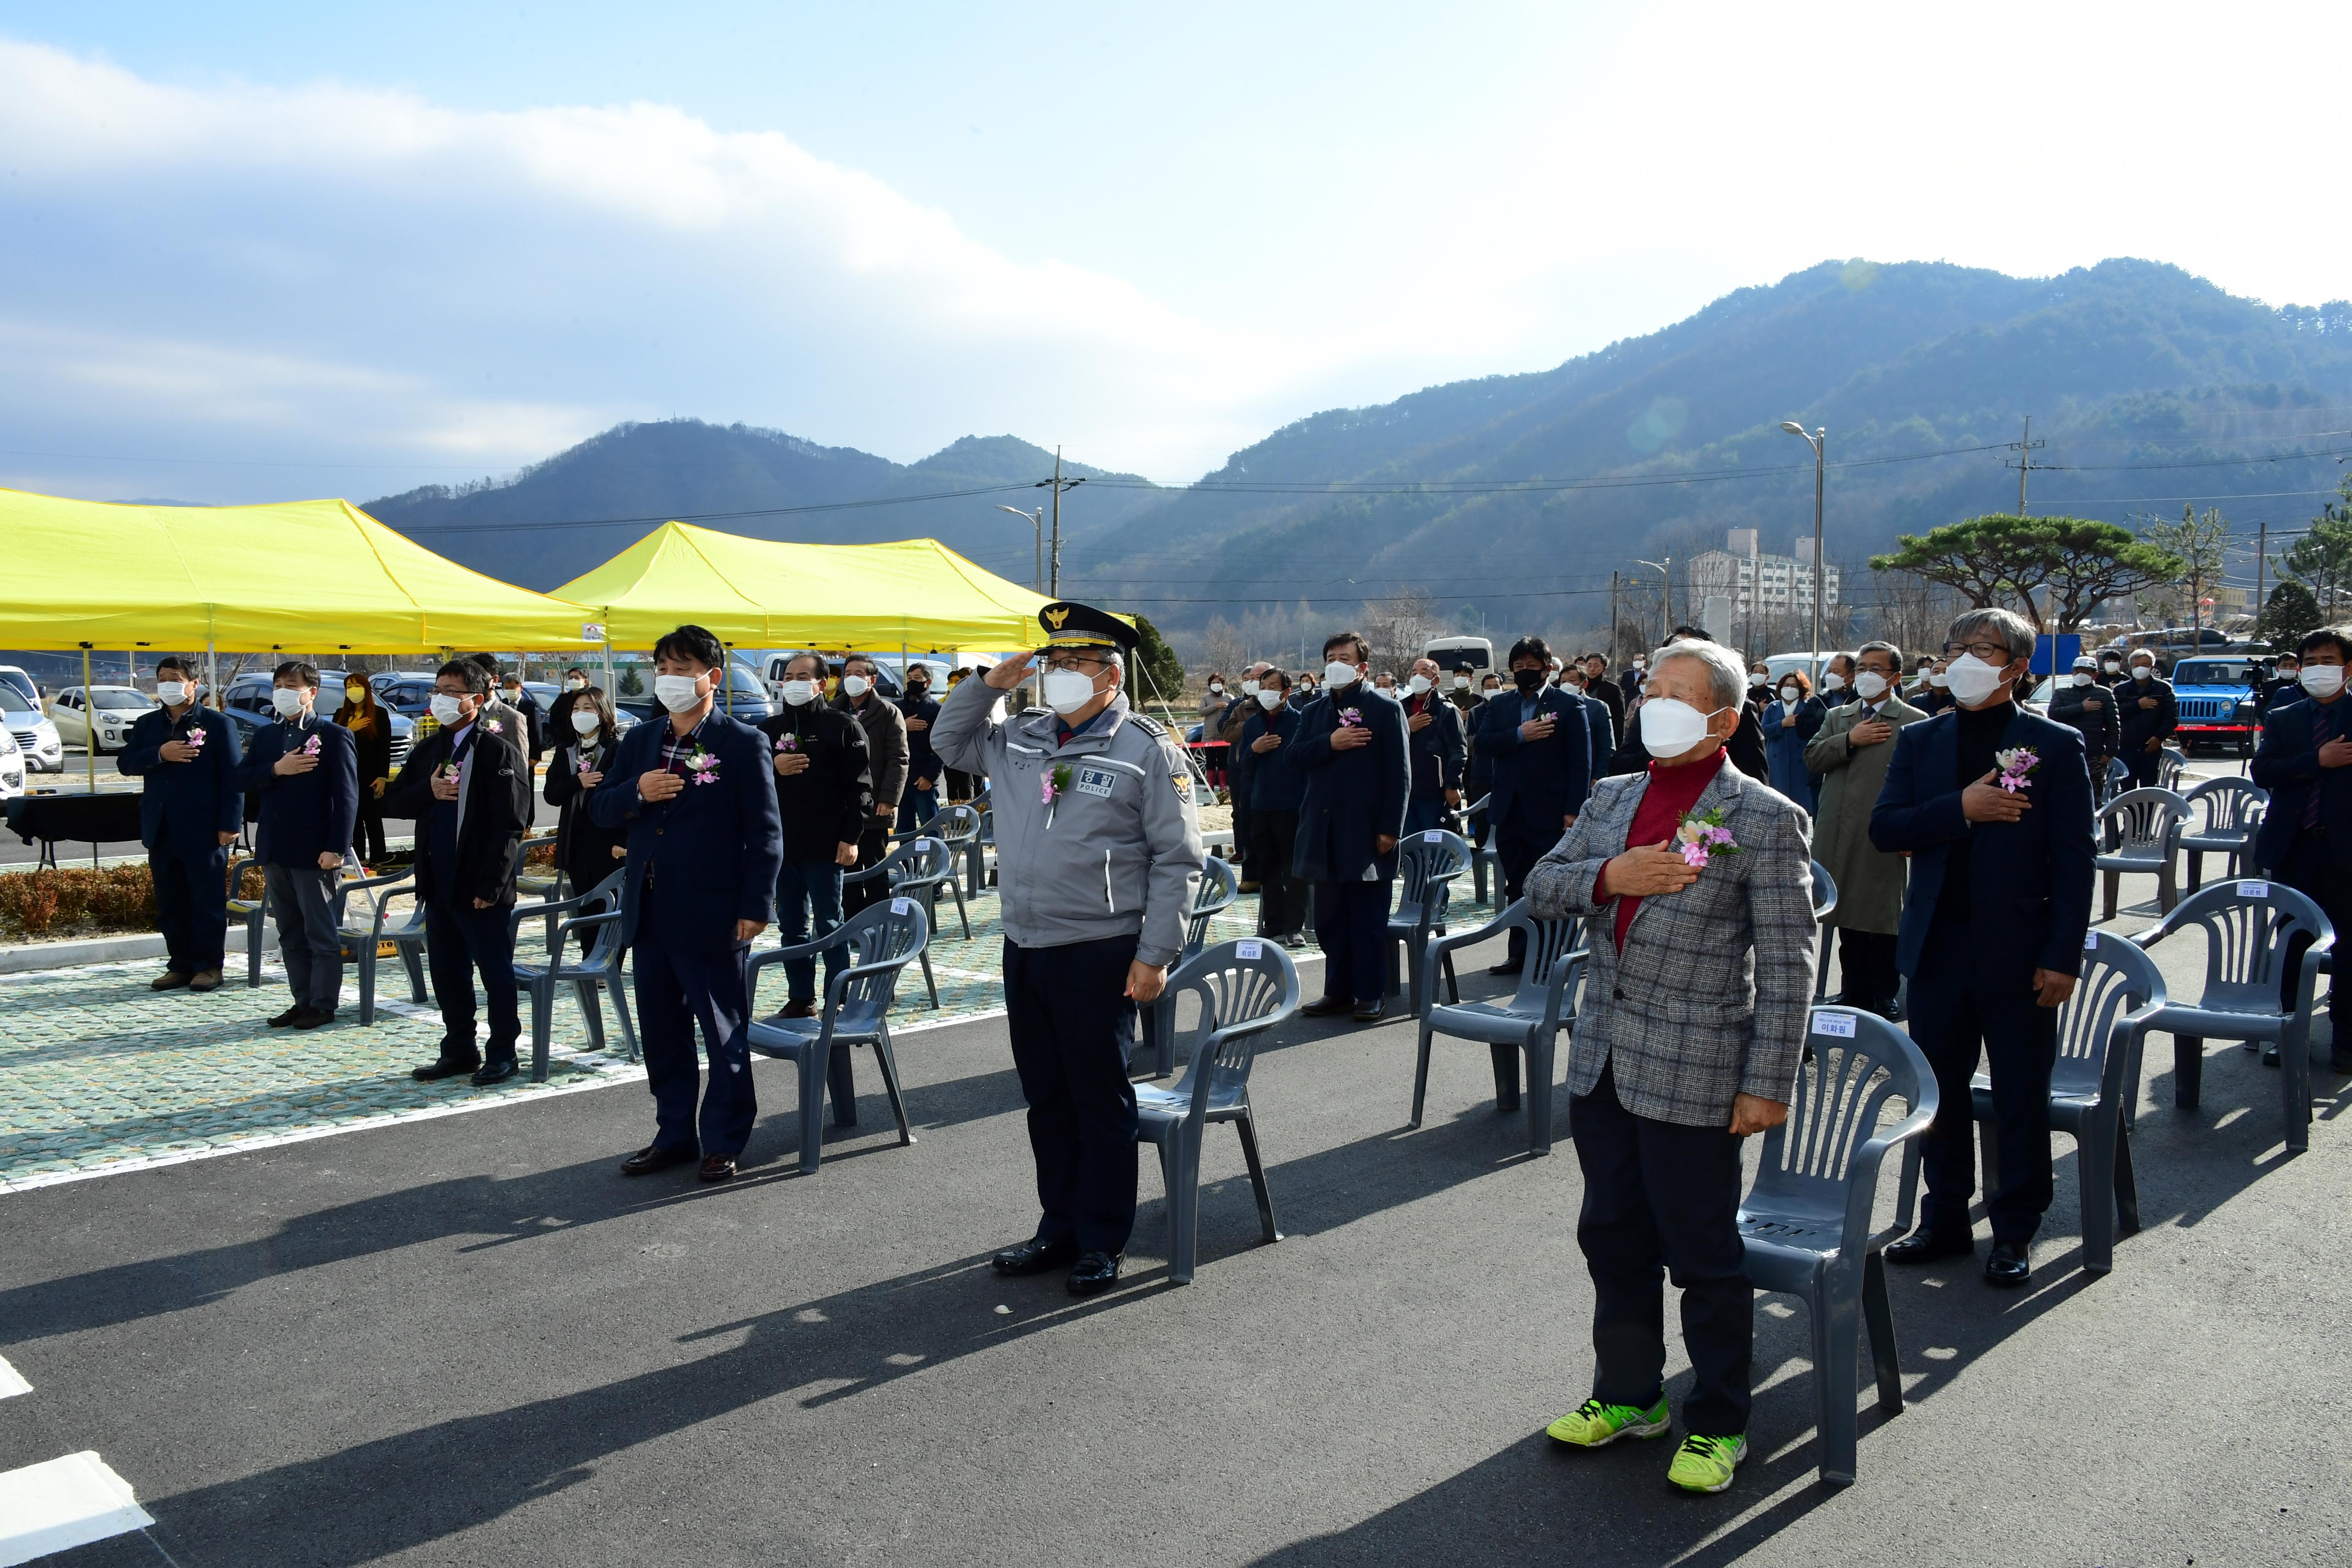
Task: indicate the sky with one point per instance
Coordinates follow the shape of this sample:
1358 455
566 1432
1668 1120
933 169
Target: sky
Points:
257 252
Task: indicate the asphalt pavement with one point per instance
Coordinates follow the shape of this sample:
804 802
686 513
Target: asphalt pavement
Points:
470 1341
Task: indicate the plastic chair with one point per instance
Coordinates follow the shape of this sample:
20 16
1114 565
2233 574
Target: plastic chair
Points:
1825 896
856 1012
1220 886
2169 761
2233 809
1530 1023
2248 925
958 827
1245 987
914 870
600 966
2138 831
252 911
2092 1088
1806 1222
366 939
983 843
1427 863
1482 856
544 883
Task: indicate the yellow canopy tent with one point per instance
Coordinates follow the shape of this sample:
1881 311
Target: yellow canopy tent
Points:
314 577
757 592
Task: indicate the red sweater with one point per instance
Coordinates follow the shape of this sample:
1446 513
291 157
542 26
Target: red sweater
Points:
1672 792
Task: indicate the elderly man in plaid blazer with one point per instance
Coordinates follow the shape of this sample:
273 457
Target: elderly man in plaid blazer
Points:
1697 881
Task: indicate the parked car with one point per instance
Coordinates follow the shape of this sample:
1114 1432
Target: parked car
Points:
746 697
12 767
113 708
35 737
248 698
17 676
2216 698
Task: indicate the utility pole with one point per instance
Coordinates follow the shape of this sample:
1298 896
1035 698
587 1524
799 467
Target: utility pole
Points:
2261 559
1053 578
1612 619
2025 445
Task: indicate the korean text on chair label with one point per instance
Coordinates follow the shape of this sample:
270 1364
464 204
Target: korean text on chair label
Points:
2090 940
900 906
1250 949
1837 1024
1433 836
2253 889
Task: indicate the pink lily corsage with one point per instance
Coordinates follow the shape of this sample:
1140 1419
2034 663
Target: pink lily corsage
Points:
1056 779
1351 717
195 739
2016 765
788 741
494 727
310 747
1701 835
703 766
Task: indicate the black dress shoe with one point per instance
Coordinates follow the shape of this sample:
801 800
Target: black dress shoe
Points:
288 1015
2011 1264
1034 1255
1095 1272
798 1010
311 1018
1369 1013
1328 1006
1925 1246
718 1168
445 1068
496 1072
654 1157
1507 968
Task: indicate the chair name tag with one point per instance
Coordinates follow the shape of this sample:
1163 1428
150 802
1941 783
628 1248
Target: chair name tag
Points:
1433 835
1250 949
2253 889
1095 781
2090 940
1837 1024
901 906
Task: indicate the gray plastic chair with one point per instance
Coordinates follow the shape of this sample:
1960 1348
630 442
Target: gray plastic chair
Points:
366 939
1806 1222
544 883
958 827
1825 896
1219 887
917 869
1528 1024
2138 831
2248 925
252 911
983 844
2170 763
882 936
1484 855
1427 863
1244 987
2223 814
598 969
2093 1088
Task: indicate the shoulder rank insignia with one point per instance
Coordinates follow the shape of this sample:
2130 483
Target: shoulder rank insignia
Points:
1145 722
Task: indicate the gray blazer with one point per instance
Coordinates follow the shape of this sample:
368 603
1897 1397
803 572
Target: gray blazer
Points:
1710 999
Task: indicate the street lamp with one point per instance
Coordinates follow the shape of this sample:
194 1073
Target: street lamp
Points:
1036 518
1818 441
1666 572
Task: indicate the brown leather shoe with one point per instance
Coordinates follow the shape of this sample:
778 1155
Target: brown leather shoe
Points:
718 1168
652 1158
204 980
170 980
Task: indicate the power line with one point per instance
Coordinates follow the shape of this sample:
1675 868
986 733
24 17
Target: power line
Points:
714 516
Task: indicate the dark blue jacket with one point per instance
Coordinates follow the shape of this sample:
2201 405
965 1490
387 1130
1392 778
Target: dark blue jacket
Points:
2140 725
1352 796
1437 748
2029 880
184 805
303 816
1271 785
2286 763
712 849
922 762
1604 721
1545 781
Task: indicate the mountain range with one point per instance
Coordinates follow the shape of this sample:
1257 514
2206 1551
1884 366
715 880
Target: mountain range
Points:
1511 499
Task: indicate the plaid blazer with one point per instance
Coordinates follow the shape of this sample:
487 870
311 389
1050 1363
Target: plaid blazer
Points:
1710 998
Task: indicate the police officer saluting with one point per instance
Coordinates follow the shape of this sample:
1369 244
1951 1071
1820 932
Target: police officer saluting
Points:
1099 854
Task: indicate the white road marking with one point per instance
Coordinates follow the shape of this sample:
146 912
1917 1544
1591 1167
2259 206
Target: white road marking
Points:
64 1503
12 1382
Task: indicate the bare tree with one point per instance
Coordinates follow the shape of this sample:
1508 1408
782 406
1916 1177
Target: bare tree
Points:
1226 648
1397 628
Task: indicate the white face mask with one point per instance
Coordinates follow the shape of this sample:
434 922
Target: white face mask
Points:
1250 688
287 701
1788 695
1972 679
1337 674
514 696
171 693
1671 727
1641 664
856 685
1216 689
2289 672
2111 666
1492 692
586 721
1067 690
577 683
1939 680
800 693
2143 672
1871 685
1759 678
1461 683
446 708
2081 677
1418 685
2322 680
1833 681
677 692
1268 699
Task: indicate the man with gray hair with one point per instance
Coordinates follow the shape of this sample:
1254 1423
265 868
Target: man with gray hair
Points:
1993 805
1695 884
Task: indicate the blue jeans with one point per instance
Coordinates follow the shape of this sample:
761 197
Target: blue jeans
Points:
1422 812
806 888
922 804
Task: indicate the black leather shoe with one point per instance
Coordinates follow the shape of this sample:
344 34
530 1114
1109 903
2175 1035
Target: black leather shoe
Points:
496 1072
311 1018
436 1072
718 1168
1095 1272
798 1010
1925 1246
1369 1013
2011 1264
1034 1255
1328 1006
288 1016
1507 968
648 1160
2339 1061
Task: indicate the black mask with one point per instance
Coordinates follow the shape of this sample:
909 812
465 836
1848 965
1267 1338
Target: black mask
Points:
1527 679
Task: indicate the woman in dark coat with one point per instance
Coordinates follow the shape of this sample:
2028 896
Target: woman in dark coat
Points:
583 723
371 728
1790 722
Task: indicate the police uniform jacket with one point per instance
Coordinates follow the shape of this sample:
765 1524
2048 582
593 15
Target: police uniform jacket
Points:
184 805
1116 852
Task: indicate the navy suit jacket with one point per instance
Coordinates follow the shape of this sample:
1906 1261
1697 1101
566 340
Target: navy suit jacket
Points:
498 814
1547 780
712 850
1437 749
2286 763
2029 880
185 805
1352 796
303 816
1598 714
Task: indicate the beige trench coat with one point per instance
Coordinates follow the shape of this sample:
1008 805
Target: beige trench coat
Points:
1869 881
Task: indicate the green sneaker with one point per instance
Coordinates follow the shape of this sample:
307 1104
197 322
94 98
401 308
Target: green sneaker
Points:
1705 1463
1593 1425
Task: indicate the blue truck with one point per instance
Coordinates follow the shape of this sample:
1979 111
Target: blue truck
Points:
2216 694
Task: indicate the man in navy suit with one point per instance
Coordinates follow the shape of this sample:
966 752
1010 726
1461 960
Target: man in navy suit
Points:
1541 745
189 813
2306 838
705 845
1351 746
1596 715
1992 928
307 771
1433 732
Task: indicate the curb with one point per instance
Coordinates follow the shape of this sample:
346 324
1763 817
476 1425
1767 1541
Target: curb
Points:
25 958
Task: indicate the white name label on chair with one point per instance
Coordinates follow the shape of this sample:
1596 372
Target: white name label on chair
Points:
2090 940
900 906
1433 835
2253 889
1250 949
1837 1024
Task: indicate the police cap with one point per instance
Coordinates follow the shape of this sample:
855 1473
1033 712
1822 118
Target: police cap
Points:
1069 625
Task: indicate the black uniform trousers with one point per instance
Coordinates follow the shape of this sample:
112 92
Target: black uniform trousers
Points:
460 941
191 906
1963 1005
1066 1009
1866 968
678 988
2142 765
2310 870
1351 926
872 844
1282 898
1660 1196
1519 842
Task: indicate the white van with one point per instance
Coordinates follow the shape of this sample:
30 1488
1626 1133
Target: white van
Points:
1476 655
1780 664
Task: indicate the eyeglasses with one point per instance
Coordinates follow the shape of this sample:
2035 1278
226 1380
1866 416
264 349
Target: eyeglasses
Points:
1084 663
1989 652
